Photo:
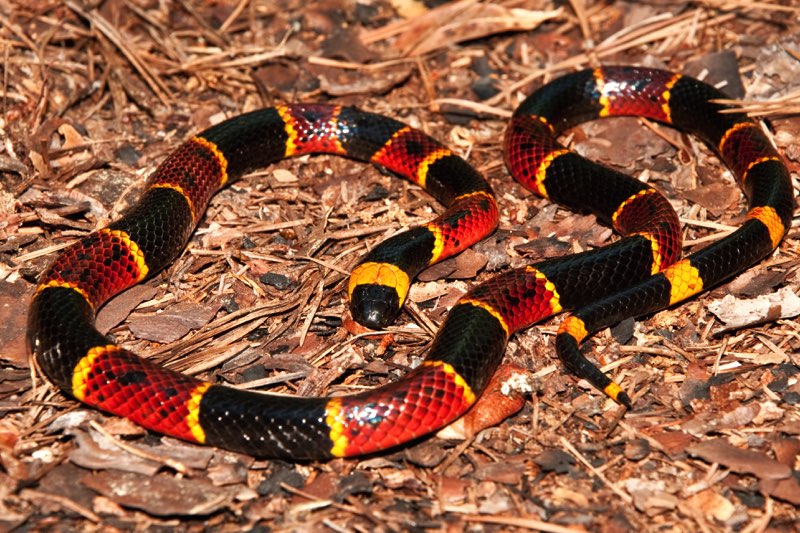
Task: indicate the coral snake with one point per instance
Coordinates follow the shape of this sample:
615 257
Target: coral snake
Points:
638 274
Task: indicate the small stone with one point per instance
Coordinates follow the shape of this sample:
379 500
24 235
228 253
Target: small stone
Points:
282 475
637 449
484 88
480 66
623 332
557 461
253 373
378 192
279 281
127 154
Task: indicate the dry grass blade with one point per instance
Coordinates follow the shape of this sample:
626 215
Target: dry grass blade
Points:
780 106
656 30
312 312
120 41
229 322
579 456
250 57
750 5
454 23
349 65
579 8
266 382
208 32
396 28
167 461
64 502
44 251
521 522
240 7
477 107
166 42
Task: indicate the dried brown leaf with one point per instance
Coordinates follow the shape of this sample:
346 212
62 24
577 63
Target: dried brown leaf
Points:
739 459
160 495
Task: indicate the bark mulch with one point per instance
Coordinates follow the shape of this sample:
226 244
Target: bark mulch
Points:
96 93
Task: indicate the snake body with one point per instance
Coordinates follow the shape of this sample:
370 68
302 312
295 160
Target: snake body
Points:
638 274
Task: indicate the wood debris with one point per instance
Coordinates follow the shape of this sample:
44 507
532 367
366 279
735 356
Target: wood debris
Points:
96 94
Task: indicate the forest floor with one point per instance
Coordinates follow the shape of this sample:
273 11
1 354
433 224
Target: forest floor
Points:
96 93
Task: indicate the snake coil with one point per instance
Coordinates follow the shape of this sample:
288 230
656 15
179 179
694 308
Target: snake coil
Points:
638 274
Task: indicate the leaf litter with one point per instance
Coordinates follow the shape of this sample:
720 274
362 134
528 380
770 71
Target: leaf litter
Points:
96 94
